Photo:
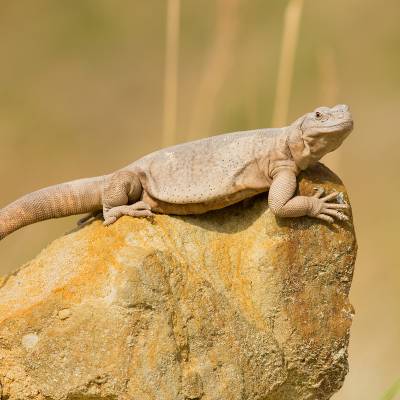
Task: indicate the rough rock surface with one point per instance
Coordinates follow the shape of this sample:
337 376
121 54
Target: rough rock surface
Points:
234 304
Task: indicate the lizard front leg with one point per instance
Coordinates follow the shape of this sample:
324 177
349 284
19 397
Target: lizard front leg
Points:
121 196
283 204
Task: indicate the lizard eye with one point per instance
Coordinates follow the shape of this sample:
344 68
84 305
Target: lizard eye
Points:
318 115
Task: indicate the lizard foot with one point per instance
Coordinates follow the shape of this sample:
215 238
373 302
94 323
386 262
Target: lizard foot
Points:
323 209
139 209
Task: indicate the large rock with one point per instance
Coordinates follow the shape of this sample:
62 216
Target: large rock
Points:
234 304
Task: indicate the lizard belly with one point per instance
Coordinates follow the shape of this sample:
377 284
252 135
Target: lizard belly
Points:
163 207
217 184
207 191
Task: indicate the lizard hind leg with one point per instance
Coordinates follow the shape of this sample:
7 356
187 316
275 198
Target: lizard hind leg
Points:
121 196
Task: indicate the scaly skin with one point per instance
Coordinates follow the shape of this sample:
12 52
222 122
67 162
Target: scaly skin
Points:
207 174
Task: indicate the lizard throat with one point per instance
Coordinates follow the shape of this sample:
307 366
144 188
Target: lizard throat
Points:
299 149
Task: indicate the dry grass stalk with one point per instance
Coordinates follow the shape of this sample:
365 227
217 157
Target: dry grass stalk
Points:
328 78
286 64
217 67
171 72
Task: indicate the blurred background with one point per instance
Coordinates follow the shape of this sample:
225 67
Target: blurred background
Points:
87 87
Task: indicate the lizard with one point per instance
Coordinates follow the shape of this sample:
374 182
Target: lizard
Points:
203 175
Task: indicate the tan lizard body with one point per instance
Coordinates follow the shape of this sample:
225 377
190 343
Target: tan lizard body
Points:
207 174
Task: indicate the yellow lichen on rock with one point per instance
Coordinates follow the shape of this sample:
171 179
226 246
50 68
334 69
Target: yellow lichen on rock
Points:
232 304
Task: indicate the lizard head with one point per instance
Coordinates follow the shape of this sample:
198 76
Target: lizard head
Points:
318 133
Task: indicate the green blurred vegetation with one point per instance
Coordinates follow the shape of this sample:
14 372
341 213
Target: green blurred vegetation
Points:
81 89
392 392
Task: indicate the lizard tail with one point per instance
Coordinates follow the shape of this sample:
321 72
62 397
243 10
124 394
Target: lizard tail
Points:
70 198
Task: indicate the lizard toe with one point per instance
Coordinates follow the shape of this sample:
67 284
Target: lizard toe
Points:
139 213
109 220
336 214
325 218
319 191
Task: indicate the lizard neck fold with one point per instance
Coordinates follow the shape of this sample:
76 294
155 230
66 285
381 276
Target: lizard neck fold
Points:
299 148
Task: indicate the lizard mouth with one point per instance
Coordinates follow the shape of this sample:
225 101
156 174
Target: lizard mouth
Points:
341 126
